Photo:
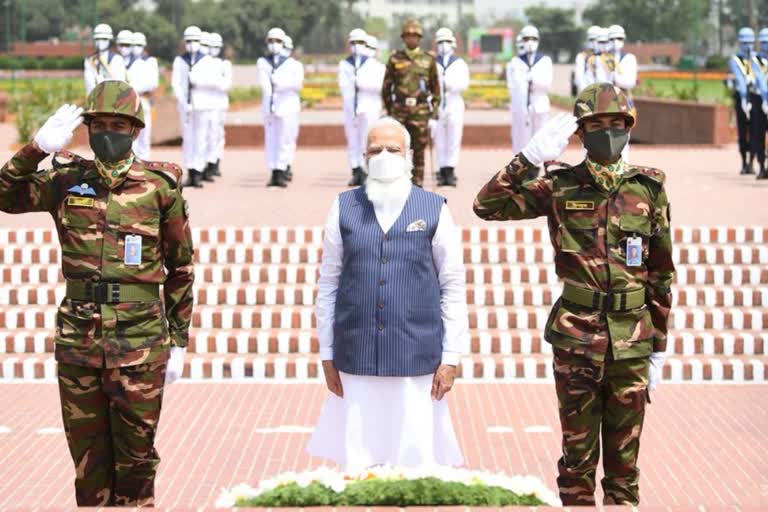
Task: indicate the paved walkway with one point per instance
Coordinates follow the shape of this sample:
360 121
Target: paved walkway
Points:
703 185
702 445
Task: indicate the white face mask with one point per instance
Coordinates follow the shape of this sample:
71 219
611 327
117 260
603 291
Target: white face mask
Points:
102 45
370 52
530 46
205 50
618 44
138 51
275 48
387 167
357 49
215 52
193 46
445 48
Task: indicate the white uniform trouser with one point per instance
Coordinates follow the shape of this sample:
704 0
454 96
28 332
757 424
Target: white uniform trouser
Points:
356 129
450 127
195 126
278 139
524 126
143 143
214 146
290 140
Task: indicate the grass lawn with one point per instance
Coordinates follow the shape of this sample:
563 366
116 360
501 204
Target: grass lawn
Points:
709 91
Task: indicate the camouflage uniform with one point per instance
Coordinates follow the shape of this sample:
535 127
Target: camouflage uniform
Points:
113 331
611 315
411 94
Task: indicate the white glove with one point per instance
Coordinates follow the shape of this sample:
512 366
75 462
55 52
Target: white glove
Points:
432 124
175 365
746 107
58 129
656 370
551 140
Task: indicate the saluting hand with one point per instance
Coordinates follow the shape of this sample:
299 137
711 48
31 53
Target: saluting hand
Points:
58 129
333 379
443 381
551 140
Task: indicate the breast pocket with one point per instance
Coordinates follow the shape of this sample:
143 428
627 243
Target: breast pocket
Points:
634 226
578 233
140 230
82 234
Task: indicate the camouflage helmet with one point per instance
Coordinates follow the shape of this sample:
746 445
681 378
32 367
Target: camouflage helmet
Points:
604 98
114 98
412 27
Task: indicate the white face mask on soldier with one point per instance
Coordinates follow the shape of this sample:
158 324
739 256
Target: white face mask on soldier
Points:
102 45
444 48
387 167
193 46
531 46
275 48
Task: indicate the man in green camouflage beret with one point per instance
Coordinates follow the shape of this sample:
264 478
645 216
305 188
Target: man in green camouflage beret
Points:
609 226
124 231
411 92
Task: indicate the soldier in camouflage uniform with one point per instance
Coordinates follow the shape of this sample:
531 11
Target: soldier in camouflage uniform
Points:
411 92
609 226
120 221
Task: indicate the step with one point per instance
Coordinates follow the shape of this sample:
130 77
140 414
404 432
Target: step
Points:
302 317
735 369
506 232
507 342
495 253
541 273
480 295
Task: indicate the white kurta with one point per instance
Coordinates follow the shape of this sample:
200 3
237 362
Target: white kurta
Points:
391 420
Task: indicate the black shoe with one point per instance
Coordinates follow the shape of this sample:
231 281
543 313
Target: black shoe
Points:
450 177
208 172
288 174
216 171
194 179
763 174
278 179
441 177
358 177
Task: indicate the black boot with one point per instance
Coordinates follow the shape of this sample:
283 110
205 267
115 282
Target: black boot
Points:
441 180
763 175
288 174
194 179
358 177
450 177
216 171
278 179
208 172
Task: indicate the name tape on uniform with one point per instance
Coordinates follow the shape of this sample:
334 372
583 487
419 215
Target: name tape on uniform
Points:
579 205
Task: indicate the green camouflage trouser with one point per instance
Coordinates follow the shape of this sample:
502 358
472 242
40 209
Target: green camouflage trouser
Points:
600 398
416 121
110 418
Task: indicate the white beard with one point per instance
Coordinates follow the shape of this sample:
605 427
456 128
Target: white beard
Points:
389 196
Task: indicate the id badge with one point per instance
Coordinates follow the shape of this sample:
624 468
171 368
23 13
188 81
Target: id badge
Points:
634 251
132 250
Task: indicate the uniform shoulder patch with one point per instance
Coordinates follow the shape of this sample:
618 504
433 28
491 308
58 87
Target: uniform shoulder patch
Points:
656 175
170 172
65 159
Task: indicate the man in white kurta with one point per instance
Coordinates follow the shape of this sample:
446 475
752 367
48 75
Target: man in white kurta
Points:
447 130
280 79
529 79
389 409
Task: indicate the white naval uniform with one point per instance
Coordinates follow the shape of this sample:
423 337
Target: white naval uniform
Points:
144 77
453 74
219 82
360 80
100 66
529 82
194 107
281 79
391 420
580 69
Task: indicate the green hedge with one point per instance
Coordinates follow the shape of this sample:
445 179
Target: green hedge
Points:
10 62
397 493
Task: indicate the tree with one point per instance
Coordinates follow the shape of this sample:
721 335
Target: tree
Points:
558 31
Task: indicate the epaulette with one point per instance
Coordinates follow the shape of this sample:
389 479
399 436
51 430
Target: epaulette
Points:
656 175
64 159
166 170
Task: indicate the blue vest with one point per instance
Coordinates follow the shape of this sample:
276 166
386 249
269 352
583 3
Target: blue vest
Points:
387 318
